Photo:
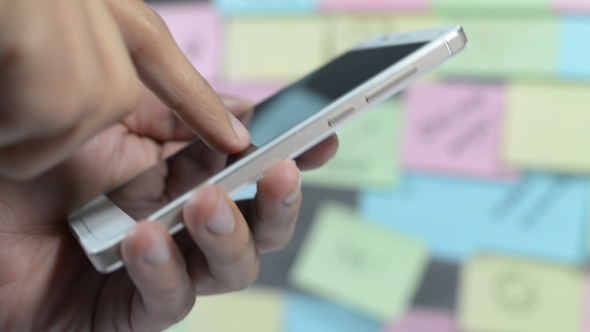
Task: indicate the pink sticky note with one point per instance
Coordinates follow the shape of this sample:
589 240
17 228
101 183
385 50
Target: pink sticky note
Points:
253 93
374 5
197 31
425 320
571 6
455 129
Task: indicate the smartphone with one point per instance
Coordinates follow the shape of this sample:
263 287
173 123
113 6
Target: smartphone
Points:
283 126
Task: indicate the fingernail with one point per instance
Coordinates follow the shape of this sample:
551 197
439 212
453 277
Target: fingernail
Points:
240 130
222 221
234 103
294 195
158 254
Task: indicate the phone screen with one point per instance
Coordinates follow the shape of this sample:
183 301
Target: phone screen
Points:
173 177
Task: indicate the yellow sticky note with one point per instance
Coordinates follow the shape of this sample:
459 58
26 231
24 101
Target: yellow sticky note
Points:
348 260
346 31
368 152
508 294
506 47
257 309
273 48
548 126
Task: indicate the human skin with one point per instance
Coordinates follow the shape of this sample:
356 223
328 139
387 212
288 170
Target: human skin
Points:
71 68
48 284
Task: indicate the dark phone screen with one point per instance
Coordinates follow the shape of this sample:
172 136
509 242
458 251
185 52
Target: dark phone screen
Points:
173 177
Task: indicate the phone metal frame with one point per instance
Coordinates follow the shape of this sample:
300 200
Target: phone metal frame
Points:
101 216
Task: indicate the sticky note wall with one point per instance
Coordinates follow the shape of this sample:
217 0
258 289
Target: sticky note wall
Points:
348 260
474 179
360 162
459 217
455 129
297 48
547 126
508 294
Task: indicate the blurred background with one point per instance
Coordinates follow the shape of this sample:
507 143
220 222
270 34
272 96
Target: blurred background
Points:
459 205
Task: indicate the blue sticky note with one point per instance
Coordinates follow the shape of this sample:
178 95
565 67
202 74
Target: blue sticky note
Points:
266 6
308 314
540 215
574 58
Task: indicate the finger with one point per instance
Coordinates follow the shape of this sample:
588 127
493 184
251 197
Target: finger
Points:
165 70
226 259
156 120
79 108
319 154
273 212
157 268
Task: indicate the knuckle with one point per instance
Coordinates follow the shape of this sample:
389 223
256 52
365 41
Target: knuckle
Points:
270 234
270 244
182 309
249 269
151 26
245 281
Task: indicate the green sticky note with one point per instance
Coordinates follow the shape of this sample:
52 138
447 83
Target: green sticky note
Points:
346 259
547 126
273 48
509 7
509 294
368 152
509 47
257 309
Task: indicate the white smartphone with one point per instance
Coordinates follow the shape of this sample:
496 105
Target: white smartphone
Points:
283 126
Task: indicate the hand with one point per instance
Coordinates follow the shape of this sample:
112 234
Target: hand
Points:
70 68
47 282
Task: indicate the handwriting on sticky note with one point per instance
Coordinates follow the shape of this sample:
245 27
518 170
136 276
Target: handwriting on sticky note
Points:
374 5
456 129
255 309
367 154
311 314
509 294
369 269
519 52
547 127
265 6
273 48
539 215
196 28
425 320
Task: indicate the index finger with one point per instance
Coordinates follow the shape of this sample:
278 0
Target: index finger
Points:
163 67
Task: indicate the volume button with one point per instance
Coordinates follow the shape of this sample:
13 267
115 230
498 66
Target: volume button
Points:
348 111
389 84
